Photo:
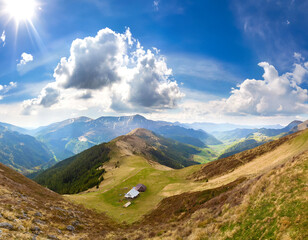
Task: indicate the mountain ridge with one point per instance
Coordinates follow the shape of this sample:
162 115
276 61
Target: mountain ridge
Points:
85 170
70 137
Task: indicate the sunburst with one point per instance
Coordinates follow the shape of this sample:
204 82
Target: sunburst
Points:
20 10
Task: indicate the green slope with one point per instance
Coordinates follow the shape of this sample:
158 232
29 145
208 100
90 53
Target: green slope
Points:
77 173
85 170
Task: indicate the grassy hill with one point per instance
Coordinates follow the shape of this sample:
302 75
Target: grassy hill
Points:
85 170
77 173
163 183
257 194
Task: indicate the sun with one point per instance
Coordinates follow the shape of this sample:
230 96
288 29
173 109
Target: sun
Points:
20 10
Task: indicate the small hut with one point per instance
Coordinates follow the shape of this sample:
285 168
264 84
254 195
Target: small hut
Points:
133 193
141 188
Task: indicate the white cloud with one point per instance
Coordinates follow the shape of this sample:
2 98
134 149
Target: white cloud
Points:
3 38
113 71
274 95
6 88
25 58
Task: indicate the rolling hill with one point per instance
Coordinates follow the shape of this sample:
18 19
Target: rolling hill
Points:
72 136
125 170
256 194
22 152
85 170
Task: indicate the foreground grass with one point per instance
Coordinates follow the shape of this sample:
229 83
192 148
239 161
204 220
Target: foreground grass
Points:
131 171
277 209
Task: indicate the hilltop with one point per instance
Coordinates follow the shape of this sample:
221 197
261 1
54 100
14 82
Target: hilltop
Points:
86 170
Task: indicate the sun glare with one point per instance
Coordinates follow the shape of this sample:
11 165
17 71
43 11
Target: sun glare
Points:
20 10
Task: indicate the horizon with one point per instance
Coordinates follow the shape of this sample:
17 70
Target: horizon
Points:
133 115
237 62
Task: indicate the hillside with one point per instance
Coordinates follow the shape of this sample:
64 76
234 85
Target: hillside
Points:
256 194
268 205
29 211
163 183
85 170
22 152
73 136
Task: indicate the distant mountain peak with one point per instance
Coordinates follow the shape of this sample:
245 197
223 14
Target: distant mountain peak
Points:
293 124
301 126
138 116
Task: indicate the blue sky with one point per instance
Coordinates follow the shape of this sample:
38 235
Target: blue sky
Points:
204 65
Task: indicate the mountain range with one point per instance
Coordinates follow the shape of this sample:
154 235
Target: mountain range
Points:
75 135
58 141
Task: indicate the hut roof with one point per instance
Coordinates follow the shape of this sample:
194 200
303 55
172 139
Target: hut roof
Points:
132 193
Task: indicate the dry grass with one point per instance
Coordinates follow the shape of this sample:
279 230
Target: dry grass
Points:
26 205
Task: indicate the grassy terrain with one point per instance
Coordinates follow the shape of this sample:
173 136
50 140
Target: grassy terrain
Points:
131 171
271 204
206 155
278 209
163 182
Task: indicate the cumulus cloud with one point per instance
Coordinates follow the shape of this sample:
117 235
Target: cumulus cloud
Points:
5 88
274 95
25 58
113 70
2 38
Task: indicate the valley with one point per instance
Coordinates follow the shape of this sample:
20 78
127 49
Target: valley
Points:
183 199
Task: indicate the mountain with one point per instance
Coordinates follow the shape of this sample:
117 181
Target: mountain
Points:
300 127
237 134
14 128
86 169
22 152
72 136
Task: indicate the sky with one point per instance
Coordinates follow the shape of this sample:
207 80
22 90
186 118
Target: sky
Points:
243 62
